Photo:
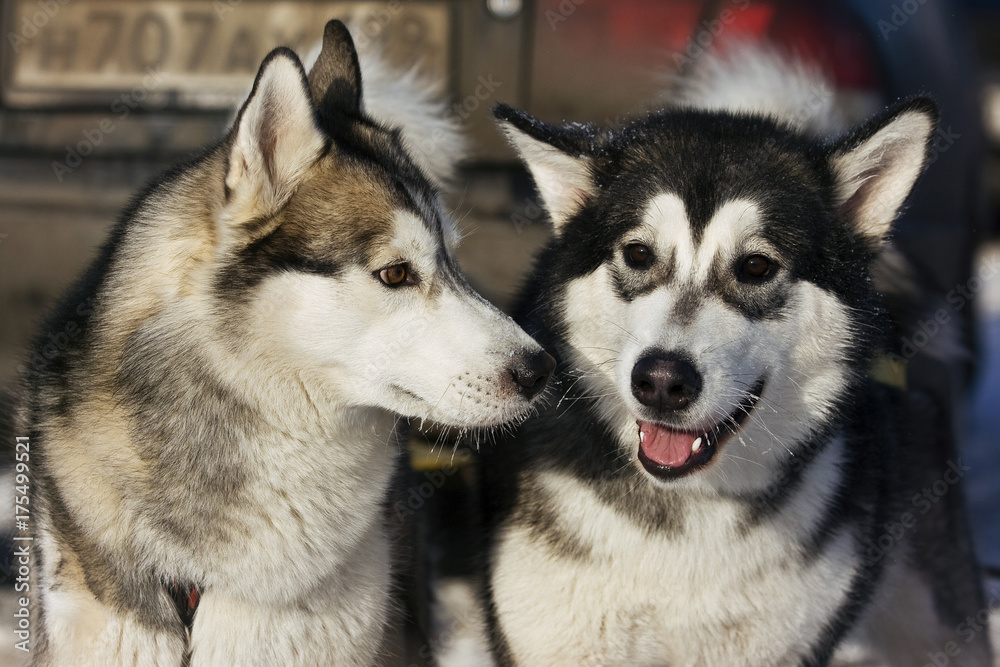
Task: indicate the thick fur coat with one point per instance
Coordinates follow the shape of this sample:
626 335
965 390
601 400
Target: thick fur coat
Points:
224 416
723 481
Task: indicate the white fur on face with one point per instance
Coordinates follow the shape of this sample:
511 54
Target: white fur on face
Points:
436 350
800 354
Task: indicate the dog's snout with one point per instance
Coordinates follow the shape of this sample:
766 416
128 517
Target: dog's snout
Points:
531 371
665 381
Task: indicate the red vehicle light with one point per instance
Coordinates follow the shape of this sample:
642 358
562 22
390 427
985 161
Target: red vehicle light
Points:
594 60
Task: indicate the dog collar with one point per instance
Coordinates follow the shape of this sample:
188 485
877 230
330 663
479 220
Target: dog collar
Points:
889 371
186 598
423 458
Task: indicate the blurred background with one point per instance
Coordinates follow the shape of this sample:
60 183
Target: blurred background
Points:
98 96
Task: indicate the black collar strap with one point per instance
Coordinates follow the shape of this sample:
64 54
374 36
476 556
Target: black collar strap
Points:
889 370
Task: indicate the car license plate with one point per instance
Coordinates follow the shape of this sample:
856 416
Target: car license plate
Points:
191 53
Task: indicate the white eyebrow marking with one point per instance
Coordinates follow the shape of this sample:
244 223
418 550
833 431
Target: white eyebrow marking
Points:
666 217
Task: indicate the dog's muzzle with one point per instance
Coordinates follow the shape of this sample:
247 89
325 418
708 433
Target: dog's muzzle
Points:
665 381
531 371
668 383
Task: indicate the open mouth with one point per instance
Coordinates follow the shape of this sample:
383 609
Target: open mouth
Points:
669 454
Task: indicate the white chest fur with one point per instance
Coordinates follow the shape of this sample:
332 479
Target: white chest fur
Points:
712 595
308 509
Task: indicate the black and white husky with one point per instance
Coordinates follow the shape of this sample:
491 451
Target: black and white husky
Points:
212 438
723 482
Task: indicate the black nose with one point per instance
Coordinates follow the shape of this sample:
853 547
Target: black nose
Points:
531 370
665 381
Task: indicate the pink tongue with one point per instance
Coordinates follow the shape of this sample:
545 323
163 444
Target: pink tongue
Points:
664 446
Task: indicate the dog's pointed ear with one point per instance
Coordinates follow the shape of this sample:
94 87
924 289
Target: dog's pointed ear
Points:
276 139
557 159
875 168
335 77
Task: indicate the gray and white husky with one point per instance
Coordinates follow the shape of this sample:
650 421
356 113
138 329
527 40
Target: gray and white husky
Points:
213 436
723 482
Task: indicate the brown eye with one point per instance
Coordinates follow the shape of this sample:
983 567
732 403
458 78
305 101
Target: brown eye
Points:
394 276
638 256
756 267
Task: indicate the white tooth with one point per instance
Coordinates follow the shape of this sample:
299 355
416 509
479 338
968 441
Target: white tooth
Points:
642 436
696 445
